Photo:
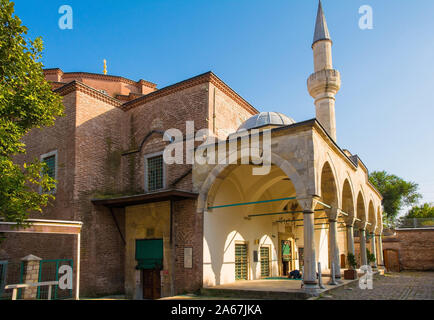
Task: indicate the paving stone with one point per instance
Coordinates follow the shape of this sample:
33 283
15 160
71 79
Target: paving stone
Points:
394 286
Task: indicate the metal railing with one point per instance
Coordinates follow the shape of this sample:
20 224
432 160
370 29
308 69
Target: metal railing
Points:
15 287
415 223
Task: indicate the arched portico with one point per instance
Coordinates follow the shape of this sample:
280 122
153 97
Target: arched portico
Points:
246 230
330 196
220 171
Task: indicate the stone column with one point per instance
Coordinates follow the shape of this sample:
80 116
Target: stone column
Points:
364 258
374 249
350 236
334 247
30 275
380 251
309 274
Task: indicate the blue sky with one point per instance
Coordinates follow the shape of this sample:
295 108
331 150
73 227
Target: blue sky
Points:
262 49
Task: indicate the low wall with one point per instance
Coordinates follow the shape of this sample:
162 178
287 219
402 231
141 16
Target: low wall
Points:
415 248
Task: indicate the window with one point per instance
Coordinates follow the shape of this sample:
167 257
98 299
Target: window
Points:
51 166
50 160
265 262
241 264
154 173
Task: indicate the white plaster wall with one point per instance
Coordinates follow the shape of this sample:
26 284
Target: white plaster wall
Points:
223 228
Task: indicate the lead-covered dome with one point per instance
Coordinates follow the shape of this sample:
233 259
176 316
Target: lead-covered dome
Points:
266 119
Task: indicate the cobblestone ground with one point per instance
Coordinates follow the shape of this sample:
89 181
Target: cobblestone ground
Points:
391 286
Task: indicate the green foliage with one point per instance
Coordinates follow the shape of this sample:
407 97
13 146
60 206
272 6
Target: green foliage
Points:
351 261
396 192
424 211
26 102
370 256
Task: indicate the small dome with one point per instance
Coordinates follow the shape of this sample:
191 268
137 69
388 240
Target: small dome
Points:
266 119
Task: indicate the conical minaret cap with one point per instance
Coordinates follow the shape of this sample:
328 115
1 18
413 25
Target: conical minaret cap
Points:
321 29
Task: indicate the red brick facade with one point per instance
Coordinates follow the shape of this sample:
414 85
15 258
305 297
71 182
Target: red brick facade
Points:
101 143
415 248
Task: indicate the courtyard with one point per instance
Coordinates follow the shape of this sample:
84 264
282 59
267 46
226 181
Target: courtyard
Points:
391 286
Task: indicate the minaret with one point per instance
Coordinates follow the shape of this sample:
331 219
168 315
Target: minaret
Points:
325 82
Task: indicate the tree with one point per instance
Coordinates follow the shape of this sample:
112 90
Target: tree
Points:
424 211
396 192
26 102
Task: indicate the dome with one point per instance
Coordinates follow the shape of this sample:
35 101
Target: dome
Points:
266 119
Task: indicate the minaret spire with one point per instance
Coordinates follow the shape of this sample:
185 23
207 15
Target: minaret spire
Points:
325 83
321 29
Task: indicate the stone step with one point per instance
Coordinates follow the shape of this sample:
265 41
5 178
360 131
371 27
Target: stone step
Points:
255 294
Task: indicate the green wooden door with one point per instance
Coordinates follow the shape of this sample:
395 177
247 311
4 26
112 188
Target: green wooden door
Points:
241 264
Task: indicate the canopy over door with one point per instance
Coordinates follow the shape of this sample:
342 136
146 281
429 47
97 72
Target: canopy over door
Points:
149 254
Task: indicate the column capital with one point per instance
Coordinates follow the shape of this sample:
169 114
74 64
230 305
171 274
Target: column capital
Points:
308 203
349 221
361 225
333 213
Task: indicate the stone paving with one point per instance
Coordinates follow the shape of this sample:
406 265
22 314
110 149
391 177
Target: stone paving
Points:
391 286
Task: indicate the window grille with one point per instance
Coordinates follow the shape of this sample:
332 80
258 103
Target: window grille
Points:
265 262
155 173
241 262
50 169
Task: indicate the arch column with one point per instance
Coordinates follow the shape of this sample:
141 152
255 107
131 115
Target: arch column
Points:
333 214
380 250
309 274
350 235
363 256
374 248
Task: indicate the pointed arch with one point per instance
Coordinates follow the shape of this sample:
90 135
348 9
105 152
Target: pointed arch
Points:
220 171
361 208
348 199
328 186
371 216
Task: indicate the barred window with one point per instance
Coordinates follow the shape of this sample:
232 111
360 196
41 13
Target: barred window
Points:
155 175
50 169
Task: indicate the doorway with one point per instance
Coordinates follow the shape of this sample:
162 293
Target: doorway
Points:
151 284
343 261
149 256
391 260
286 256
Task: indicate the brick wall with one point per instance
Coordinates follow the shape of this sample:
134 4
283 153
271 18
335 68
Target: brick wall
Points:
91 140
59 137
189 233
415 248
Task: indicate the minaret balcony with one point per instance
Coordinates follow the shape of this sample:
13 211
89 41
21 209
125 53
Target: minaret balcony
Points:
324 81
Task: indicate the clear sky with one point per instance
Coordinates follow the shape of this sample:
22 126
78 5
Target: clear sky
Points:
262 49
